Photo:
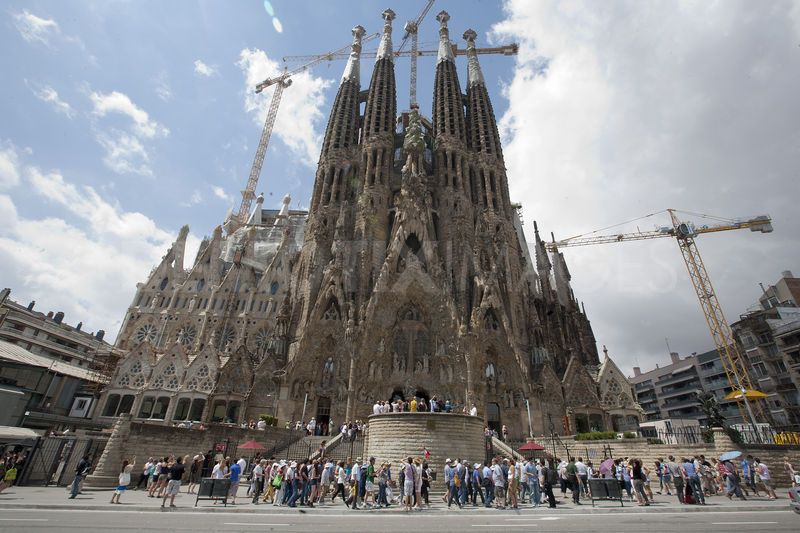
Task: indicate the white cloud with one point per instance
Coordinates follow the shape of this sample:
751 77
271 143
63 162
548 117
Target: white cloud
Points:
35 29
9 166
300 120
220 193
86 264
45 93
117 102
162 89
125 153
194 199
201 69
632 107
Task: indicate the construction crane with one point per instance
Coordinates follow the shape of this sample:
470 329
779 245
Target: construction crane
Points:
733 362
506 50
281 82
412 29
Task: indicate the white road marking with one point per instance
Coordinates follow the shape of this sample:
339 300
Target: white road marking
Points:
740 523
25 519
505 525
531 519
251 524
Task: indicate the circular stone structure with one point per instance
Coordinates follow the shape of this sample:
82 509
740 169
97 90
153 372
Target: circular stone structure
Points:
395 436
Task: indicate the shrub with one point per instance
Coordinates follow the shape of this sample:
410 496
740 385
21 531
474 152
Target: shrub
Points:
654 441
596 435
270 420
629 435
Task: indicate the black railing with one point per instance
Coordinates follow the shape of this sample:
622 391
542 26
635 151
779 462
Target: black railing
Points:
675 435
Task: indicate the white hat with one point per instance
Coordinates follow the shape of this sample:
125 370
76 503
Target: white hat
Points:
447 461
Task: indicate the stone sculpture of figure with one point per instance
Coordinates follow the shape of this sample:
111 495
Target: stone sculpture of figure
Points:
449 373
426 362
327 372
491 378
153 301
401 265
413 144
395 362
192 303
371 370
418 366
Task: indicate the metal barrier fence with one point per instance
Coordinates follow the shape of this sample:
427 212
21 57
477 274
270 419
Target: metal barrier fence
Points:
675 435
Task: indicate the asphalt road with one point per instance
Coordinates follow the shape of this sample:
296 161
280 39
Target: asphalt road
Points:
39 520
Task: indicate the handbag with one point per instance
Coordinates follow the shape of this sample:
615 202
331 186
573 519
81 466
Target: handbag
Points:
277 481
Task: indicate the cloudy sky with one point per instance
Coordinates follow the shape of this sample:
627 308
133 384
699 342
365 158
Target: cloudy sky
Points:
124 120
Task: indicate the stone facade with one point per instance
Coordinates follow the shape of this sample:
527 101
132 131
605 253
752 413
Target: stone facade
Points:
410 275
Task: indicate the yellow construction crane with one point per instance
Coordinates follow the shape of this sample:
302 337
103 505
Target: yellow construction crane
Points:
734 363
281 82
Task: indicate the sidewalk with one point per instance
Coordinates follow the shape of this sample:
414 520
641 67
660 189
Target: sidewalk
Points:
56 498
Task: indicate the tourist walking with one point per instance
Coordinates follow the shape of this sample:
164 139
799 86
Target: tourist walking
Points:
408 483
676 478
766 479
550 478
146 473
124 479
638 477
175 474
693 481
80 471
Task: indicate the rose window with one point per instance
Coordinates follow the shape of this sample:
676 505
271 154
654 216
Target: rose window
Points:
146 333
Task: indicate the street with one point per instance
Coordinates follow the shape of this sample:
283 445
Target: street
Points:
23 520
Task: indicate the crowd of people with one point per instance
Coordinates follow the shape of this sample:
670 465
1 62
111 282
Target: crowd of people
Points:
502 483
418 404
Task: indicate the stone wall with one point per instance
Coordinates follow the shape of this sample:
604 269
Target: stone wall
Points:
595 451
142 440
395 436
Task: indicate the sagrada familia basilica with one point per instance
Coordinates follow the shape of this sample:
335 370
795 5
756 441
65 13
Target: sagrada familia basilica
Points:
410 275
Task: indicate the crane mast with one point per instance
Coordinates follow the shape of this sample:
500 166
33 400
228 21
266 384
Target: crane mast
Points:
733 362
281 82
412 31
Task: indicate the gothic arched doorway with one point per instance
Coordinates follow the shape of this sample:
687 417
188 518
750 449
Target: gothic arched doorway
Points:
397 394
493 417
323 415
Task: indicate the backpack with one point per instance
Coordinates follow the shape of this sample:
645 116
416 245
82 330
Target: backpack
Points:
552 476
456 480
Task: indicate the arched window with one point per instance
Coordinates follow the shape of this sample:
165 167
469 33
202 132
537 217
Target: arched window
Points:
490 320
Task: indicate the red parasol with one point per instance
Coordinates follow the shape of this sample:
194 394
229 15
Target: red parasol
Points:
531 447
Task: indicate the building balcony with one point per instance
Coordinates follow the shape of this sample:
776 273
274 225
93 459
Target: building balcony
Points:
684 376
691 391
678 404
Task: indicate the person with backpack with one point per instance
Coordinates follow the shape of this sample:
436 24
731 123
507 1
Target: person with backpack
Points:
487 484
499 481
550 478
454 485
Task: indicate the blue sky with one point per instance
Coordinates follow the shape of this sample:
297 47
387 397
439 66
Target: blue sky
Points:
123 120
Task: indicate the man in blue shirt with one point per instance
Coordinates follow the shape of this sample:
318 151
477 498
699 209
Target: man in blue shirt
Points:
693 479
234 473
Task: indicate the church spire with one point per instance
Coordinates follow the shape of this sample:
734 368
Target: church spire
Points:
445 49
483 134
331 185
385 46
381 105
352 71
474 74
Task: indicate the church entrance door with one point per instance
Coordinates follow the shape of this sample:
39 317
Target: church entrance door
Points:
323 415
493 417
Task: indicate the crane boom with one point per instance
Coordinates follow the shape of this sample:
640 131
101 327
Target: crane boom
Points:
506 50
733 362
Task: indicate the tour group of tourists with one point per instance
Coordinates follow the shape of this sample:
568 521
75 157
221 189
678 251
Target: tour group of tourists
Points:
502 483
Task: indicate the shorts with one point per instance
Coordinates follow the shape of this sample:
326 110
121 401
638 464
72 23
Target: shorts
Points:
173 487
767 483
120 489
162 477
408 487
234 488
499 491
